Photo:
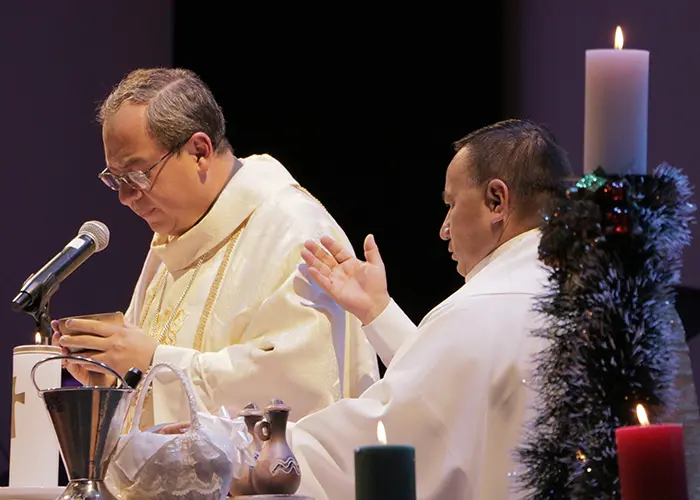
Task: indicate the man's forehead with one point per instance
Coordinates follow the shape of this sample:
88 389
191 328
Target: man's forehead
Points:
119 155
461 159
458 167
125 138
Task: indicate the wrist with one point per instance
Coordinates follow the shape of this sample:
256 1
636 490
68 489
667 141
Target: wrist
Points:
377 308
148 360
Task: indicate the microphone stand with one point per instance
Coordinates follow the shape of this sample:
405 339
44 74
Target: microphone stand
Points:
42 320
39 310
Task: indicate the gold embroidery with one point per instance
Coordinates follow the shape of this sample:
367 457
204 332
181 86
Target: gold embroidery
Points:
152 292
169 318
214 291
174 325
159 320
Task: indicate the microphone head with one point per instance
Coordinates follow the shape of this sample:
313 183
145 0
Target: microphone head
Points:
98 232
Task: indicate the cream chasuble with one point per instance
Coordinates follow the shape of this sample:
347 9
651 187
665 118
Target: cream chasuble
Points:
231 304
455 388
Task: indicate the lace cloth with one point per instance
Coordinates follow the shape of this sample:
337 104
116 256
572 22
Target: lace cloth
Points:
198 464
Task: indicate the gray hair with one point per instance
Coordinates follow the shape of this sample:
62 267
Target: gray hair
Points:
178 104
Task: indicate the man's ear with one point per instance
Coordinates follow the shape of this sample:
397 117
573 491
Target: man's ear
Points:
497 198
201 148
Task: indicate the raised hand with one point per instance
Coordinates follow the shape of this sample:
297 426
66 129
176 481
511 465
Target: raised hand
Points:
357 286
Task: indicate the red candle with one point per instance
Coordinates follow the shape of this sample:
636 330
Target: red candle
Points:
651 459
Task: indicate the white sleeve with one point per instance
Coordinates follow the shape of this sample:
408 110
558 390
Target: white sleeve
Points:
388 332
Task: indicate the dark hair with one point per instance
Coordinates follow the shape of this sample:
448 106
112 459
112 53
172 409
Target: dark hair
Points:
521 153
178 105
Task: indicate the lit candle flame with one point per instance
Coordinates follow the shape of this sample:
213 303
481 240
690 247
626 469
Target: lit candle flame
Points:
37 338
642 416
381 433
619 39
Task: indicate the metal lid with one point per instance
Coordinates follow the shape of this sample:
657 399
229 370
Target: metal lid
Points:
277 404
250 410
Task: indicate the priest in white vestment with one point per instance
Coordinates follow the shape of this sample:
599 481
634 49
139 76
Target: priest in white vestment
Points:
222 294
457 385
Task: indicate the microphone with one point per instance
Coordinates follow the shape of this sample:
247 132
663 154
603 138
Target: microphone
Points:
93 237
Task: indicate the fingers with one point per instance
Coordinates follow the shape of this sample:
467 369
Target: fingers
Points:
55 338
99 328
77 372
372 251
321 254
337 251
85 370
104 358
56 335
179 428
315 263
85 365
84 342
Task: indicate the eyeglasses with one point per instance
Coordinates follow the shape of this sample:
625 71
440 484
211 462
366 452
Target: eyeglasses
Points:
136 179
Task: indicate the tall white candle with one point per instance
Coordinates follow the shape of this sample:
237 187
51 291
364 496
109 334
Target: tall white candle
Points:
617 100
33 445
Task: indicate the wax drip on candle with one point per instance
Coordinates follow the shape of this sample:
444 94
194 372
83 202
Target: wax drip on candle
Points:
381 433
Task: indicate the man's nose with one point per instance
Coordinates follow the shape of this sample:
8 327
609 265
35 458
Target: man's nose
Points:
127 194
445 231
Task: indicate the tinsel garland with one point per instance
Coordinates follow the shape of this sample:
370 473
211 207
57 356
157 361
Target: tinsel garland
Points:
614 246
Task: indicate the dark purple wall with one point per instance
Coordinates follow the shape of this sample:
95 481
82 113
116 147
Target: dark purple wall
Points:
59 59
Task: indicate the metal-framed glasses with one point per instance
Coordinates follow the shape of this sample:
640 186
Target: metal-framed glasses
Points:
136 179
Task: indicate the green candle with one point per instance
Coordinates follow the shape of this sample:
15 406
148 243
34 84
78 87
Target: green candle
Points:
385 472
